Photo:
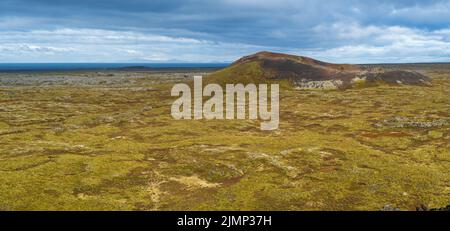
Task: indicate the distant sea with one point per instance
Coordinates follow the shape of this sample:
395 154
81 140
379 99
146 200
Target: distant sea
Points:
10 67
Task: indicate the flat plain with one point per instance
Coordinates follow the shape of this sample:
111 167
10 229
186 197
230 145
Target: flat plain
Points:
90 140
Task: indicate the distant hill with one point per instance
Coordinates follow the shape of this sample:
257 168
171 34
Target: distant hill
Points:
308 73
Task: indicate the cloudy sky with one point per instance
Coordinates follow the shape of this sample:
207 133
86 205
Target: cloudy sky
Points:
350 31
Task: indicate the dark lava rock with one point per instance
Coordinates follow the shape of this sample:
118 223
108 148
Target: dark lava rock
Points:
305 72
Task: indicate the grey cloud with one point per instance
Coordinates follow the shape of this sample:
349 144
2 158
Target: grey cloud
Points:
282 25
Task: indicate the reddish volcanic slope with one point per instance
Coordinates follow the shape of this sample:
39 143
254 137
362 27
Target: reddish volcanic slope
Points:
306 72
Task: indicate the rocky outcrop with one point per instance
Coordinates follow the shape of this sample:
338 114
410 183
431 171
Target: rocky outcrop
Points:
307 73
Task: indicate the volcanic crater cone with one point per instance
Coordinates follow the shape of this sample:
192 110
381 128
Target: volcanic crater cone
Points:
308 73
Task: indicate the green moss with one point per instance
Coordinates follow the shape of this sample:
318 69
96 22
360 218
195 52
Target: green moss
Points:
106 149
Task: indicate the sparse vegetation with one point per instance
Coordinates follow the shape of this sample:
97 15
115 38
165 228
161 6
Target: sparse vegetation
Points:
81 144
